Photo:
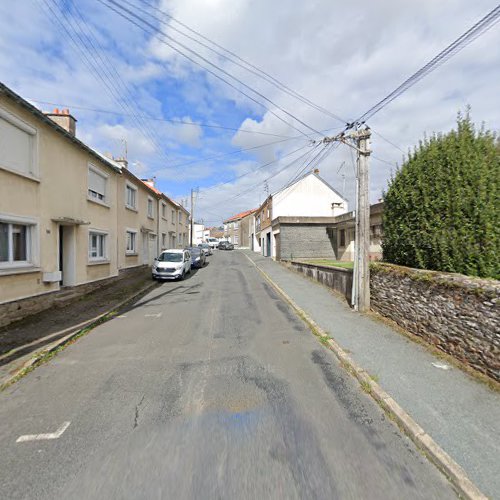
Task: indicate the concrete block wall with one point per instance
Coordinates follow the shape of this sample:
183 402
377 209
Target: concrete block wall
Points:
302 241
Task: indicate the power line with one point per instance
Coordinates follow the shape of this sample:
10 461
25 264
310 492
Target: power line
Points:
68 30
155 118
461 42
234 58
156 30
253 170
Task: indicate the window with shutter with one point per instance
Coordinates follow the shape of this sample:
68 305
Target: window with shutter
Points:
97 185
17 145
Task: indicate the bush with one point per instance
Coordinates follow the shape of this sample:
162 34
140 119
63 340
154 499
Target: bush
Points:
442 209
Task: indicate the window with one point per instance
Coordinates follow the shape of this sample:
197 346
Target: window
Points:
164 210
97 245
97 185
173 217
342 237
16 244
180 217
268 213
151 210
236 225
163 240
18 145
235 239
131 196
131 242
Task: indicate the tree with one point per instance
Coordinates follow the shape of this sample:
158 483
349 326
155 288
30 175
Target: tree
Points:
442 207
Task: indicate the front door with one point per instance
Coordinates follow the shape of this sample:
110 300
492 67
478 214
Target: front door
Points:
145 248
67 255
268 245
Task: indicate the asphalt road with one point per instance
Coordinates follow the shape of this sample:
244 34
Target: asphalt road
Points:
207 388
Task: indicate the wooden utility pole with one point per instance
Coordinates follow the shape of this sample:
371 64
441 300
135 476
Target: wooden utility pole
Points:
362 239
192 218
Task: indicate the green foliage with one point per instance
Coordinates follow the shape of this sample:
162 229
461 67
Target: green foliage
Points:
442 209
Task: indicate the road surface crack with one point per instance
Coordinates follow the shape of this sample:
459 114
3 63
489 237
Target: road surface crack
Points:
136 418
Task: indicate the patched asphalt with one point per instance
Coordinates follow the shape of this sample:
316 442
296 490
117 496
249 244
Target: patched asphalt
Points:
207 388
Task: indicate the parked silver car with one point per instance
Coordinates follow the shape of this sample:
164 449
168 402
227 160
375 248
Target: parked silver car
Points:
172 264
207 249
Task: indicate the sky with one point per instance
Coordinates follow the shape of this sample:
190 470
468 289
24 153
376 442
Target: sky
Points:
180 123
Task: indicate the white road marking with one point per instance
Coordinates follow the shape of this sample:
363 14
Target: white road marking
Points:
441 366
157 315
40 437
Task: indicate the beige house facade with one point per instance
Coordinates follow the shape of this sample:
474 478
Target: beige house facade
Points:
58 204
70 216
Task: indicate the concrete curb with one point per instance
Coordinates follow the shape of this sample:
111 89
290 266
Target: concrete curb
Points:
63 340
433 451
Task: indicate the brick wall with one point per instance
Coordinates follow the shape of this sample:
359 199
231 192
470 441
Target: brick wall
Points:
301 241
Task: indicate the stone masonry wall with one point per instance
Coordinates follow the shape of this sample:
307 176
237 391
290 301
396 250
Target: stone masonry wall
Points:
458 314
19 309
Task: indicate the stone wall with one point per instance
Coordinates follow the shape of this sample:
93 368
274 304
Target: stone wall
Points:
337 278
458 314
19 309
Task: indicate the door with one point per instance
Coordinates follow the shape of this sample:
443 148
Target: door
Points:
268 244
278 246
145 248
152 248
67 255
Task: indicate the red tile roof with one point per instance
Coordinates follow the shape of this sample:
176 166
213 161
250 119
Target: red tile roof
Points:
241 215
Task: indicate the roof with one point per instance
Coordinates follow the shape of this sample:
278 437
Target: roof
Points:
42 117
241 215
307 175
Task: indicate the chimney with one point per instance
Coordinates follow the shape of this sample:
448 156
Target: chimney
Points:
149 182
64 119
316 171
122 161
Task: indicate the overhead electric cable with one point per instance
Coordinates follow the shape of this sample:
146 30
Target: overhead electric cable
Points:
234 58
156 118
461 42
176 49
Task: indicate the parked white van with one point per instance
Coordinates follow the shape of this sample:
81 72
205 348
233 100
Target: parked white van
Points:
213 242
172 264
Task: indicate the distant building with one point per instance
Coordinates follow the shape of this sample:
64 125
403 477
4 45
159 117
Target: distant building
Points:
292 222
236 228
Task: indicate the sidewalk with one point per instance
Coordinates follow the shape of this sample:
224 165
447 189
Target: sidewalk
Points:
459 413
20 340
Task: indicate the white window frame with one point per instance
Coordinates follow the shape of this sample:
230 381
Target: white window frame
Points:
98 171
32 243
129 185
151 203
99 258
33 172
133 250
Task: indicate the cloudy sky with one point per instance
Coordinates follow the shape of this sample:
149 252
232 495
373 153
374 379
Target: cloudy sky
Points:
185 126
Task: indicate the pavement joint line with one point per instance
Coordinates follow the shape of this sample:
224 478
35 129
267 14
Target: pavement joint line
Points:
19 372
454 472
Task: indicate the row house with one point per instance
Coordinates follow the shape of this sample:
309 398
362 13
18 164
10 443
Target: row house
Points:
293 222
70 216
236 228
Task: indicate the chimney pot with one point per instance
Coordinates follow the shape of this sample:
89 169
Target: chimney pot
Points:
64 119
316 171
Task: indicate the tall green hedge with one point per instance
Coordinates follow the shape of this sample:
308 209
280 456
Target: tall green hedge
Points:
442 208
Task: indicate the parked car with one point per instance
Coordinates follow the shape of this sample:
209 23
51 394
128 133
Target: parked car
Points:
198 258
207 249
213 242
226 245
172 264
